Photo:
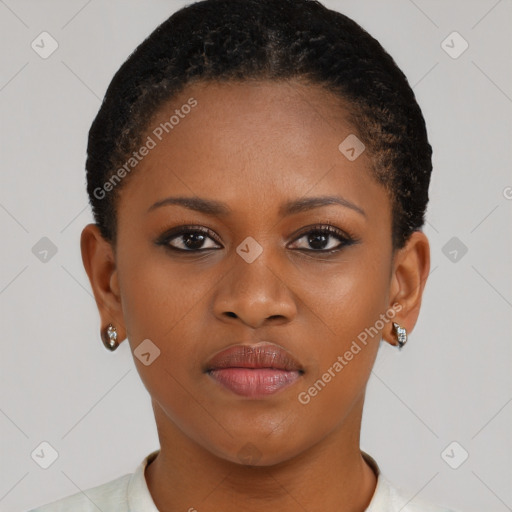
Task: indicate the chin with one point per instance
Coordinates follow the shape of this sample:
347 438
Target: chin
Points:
261 450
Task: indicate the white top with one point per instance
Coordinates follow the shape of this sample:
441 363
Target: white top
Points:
130 493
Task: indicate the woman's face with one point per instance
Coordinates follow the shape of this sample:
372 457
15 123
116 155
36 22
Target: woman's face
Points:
258 273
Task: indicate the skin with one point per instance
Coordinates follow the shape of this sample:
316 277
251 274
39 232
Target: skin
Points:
254 146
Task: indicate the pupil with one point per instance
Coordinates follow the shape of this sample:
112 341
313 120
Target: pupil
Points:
195 237
317 236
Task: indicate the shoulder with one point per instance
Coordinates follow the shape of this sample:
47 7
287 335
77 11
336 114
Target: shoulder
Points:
127 492
111 496
390 498
401 501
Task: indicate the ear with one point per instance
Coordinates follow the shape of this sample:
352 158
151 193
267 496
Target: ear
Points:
411 266
99 261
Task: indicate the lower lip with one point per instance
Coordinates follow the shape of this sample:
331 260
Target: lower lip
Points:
254 382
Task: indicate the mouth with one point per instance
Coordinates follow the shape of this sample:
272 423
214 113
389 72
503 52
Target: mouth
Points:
254 371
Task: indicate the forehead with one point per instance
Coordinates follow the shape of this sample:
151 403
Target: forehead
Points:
290 114
250 144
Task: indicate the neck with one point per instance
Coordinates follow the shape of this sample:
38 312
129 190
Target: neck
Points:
330 476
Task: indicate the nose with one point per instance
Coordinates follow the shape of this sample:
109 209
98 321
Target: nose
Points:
254 293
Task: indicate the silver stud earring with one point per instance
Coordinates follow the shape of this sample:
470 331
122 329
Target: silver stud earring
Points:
109 337
401 334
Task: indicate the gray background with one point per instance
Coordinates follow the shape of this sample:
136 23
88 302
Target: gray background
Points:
451 383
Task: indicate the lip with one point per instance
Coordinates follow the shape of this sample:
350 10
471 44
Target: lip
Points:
255 370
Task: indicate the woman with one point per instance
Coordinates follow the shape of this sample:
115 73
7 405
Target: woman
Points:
258 173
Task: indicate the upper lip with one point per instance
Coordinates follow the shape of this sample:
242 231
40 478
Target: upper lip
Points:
259 355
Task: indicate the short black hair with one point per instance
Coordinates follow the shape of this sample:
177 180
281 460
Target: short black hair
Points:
239 40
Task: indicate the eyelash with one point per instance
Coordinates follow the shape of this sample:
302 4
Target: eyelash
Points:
323 229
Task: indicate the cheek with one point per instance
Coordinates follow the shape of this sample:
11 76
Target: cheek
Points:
350 305
350 297
157 294
159 304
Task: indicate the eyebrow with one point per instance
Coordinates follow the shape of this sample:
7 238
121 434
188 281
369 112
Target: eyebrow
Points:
213 207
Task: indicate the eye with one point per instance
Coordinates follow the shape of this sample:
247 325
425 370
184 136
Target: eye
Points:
318 238
193 239
187 239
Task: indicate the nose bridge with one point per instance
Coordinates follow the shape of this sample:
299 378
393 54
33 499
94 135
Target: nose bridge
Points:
254 290
252 266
